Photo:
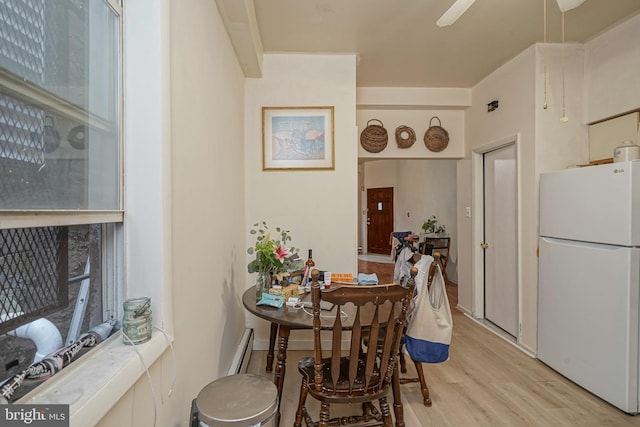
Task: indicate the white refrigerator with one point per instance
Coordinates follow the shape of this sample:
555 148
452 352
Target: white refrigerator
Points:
589 279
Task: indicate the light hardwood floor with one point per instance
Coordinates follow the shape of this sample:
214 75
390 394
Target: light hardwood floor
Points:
487 382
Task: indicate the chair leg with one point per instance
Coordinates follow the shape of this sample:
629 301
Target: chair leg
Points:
398 409
324 415
386 413
301 401
366 409
423 384
403 362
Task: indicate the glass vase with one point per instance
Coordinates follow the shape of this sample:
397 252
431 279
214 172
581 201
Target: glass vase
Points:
263 283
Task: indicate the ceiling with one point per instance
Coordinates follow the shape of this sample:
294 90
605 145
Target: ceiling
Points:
399 45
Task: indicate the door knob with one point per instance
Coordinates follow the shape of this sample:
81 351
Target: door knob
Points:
484 245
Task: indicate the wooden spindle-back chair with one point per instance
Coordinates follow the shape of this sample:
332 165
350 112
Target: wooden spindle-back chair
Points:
359 374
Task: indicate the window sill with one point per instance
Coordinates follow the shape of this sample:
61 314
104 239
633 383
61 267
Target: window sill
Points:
93 384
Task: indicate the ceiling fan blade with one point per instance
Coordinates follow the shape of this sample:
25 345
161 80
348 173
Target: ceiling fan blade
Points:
566 5
454 12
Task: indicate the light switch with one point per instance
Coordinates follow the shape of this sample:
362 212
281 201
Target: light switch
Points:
467 212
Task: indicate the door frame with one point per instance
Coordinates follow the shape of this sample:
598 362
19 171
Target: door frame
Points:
477 225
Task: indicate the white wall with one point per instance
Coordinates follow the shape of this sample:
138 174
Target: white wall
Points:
421 188
560 144
426 188
375 174
207 210
612 88
208 181
513 85
380 174
464 231
318 207
612 64
544 143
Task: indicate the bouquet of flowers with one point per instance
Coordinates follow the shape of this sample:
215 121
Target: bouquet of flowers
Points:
272 255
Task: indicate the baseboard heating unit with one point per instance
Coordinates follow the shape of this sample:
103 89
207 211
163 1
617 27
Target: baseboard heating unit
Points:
243 354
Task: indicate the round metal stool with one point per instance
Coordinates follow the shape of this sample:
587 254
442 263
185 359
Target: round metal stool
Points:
244 400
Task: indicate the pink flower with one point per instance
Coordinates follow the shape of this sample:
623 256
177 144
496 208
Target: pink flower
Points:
282 252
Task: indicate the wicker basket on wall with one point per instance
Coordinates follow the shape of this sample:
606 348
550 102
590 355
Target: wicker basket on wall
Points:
374 137
436 138
402 140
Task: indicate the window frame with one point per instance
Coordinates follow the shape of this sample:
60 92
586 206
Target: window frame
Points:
22 219
95 400
112 220
96 382
23 90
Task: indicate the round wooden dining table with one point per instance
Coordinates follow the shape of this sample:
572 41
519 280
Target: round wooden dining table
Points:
285 319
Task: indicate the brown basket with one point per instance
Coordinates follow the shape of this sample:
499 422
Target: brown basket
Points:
436 138
409 140
374 137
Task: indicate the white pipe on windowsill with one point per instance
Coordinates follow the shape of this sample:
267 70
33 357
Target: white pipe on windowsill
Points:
44 334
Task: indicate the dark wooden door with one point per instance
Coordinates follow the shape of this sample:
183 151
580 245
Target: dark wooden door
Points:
379 219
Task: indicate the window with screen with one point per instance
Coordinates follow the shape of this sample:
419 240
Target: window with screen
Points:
60 170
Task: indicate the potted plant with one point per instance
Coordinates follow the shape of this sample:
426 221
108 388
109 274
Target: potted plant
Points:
432 226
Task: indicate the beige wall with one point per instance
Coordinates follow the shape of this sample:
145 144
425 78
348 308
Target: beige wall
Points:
318 207
208 202
207 161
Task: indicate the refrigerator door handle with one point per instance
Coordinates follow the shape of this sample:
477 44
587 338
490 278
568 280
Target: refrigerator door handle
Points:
579 244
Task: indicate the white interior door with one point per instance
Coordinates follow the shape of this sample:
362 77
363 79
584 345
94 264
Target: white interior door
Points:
501 238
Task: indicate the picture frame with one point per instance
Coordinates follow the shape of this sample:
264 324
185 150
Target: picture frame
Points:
298 138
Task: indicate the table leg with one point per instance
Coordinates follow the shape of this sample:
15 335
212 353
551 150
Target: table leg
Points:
272 344
278 375
398 409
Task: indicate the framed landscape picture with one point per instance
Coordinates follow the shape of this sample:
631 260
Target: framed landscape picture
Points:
297 138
